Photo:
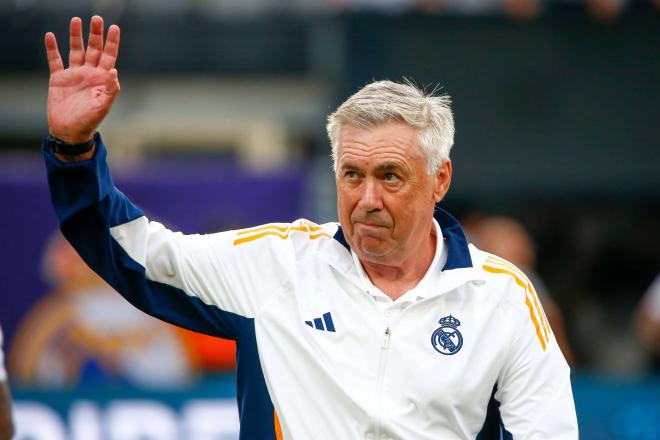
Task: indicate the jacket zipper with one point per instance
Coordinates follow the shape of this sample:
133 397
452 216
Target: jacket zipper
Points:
384 348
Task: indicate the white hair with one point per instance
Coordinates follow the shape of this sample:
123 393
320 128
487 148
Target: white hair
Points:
384 101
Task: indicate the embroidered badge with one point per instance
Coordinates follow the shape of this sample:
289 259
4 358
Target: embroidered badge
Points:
446 339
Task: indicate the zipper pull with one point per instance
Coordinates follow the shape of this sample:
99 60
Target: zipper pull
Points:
386 338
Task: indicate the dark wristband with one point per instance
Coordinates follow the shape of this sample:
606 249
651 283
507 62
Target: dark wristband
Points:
62 147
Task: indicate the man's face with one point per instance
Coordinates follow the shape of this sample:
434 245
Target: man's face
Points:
385 198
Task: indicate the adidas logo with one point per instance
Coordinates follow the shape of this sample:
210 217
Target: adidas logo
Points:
318 323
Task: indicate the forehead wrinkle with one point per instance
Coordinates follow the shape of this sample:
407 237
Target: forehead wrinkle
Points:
379 160
364 150
380 146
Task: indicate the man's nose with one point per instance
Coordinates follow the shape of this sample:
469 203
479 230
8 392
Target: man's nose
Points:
371 197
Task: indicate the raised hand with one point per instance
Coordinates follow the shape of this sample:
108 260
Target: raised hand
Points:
80 96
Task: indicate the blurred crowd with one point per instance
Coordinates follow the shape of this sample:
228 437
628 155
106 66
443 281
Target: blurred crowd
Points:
604 10
82 332
636 334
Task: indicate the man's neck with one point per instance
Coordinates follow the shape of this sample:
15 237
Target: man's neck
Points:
396 279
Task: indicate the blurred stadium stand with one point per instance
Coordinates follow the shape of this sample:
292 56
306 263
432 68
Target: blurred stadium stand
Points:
223 108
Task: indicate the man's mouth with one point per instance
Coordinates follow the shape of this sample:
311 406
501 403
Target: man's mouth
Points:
369 225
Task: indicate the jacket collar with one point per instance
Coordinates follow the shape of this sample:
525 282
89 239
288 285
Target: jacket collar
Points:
458 254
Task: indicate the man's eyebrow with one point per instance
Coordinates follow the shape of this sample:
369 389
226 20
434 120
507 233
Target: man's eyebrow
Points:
384 167
348 166
389 166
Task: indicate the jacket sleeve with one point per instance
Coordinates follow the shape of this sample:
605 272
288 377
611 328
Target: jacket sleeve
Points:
205 283
534 388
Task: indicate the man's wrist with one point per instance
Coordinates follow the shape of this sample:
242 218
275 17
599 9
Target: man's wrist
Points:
60 146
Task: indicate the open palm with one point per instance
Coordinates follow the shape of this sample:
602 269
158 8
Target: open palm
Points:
80 96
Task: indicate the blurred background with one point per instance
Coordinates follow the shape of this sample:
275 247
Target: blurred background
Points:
220 124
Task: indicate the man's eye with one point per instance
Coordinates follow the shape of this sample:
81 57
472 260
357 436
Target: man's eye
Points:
351 174
390 177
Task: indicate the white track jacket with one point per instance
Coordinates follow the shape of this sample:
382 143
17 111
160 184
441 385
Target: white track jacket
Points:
466 354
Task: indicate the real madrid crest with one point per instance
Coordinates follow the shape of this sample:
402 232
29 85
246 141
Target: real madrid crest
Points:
446 339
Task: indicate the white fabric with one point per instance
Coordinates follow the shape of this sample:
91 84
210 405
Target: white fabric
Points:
386 305
377 375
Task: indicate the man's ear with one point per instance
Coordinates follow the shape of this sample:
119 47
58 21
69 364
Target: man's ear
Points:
442 180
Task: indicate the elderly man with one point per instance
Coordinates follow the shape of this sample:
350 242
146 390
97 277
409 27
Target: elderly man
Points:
386 325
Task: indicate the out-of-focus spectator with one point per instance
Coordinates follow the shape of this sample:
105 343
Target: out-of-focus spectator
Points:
469 7
606 10
648 319
522 10
6 419
655 4
383 6
83 332
507 238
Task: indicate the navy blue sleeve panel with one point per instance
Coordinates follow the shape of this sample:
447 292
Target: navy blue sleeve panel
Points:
255 407
493 428
78 185
87 204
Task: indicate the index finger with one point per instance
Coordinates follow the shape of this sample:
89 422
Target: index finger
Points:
111 48
52 53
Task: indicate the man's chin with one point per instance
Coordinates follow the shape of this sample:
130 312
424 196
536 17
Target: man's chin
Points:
371 249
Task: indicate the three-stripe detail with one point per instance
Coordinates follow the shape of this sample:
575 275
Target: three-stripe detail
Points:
278 426
323 323
498 265
278 230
